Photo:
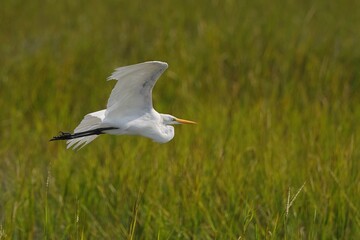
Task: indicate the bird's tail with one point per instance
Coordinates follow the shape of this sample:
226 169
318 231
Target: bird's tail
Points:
88 129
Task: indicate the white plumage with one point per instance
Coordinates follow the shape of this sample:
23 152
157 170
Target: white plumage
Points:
129 109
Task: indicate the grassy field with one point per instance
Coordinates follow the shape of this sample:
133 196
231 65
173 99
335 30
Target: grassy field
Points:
274 86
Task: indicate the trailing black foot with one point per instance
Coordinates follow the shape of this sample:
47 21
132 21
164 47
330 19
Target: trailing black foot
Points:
62 136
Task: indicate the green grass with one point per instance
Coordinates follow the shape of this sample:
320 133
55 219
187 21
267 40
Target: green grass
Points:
274 87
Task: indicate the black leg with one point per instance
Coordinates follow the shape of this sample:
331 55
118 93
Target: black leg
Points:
67 136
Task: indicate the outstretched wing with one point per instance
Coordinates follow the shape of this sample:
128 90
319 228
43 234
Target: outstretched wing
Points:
132 93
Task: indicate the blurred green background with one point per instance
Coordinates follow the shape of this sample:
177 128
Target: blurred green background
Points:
274 86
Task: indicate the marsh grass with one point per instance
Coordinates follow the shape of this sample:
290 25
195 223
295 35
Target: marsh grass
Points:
273 85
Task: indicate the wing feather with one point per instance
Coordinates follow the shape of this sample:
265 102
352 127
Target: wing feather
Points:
132 93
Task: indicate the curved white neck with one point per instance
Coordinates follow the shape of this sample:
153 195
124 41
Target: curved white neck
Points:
167 133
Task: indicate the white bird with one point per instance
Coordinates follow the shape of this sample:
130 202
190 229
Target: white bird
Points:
129 109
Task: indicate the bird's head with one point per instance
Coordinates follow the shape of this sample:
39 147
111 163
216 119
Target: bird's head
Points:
171 120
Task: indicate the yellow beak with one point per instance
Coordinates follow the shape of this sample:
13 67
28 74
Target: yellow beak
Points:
183 121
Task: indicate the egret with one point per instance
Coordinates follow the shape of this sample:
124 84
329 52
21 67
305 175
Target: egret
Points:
129 109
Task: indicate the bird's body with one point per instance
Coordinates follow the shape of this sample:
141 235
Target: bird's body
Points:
129 109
